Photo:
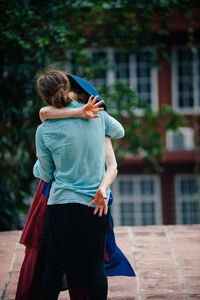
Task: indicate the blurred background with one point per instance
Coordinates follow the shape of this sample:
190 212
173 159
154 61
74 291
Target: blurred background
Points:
144 59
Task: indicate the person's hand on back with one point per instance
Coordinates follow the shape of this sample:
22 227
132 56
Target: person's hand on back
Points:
100 201
91 108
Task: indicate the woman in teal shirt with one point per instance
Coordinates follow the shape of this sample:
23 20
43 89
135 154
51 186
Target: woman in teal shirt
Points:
71 152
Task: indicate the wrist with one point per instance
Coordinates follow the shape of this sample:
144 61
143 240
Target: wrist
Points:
102 188
79 112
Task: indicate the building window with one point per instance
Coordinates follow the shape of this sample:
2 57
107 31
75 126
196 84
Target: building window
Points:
122 67
187 199
186 79
143 74
147 187
126 187
137 200
134 69
137 70
148 213
127 212
181 140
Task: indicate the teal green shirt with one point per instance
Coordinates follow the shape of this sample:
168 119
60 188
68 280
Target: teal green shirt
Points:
71 152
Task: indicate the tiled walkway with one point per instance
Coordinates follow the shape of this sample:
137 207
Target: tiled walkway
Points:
166 260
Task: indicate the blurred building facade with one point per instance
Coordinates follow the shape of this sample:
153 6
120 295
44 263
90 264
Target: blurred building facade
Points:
172 197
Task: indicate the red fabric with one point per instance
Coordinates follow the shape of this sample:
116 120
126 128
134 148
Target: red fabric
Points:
27 288
106 256
33 227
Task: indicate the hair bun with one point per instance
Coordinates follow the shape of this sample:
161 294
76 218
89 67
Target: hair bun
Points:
61 97
72 96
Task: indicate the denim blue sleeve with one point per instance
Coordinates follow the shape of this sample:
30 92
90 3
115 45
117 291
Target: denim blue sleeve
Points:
44 166
113 128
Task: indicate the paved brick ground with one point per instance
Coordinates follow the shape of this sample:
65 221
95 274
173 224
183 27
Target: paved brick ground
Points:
166 260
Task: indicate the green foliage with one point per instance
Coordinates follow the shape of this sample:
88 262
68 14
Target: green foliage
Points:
144 128
34 34
30 39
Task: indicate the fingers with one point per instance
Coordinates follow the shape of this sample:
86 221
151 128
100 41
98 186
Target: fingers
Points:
98 103
92 202
100 211
100 201
90 99
96 210
95 116
95 99
99 109
105 209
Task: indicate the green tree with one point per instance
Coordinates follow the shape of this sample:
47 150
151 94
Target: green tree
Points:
143 127
35 34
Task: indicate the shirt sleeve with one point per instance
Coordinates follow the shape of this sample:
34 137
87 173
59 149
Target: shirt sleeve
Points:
113 128
44 166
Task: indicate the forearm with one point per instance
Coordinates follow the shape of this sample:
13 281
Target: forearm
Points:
111 164
50 112
88 111
107 180
109 177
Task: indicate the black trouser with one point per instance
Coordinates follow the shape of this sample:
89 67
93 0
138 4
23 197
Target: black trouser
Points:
97 283
75 244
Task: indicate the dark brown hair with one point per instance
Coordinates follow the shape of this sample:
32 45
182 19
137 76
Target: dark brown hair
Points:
82 95
54 87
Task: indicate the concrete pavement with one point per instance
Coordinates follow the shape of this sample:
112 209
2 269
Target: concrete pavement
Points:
166 260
